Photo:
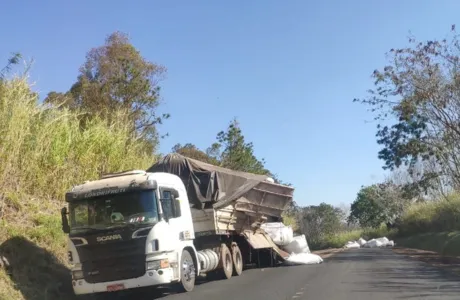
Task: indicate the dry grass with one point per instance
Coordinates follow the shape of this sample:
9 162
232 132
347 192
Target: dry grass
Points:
434 216
43 152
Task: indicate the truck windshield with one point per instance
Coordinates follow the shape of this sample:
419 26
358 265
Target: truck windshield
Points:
103 212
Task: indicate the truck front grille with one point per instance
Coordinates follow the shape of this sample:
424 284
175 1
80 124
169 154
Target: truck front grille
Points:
113 261
114 269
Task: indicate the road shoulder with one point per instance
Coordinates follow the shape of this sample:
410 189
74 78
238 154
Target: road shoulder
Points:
328 252
447 263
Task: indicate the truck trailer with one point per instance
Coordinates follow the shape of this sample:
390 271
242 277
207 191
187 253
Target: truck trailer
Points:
165 226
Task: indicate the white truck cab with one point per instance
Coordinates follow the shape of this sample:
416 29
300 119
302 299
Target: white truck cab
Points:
130 230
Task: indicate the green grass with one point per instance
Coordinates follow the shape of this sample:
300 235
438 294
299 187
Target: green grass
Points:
339 240
43 152
444 243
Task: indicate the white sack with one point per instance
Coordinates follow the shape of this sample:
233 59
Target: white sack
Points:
384 241
352 245
304 259
362 241
374 243
297 245
278 232
391 244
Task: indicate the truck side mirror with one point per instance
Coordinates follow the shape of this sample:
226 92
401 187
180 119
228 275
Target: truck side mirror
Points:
64 220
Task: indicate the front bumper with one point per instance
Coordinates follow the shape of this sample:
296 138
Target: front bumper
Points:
150 278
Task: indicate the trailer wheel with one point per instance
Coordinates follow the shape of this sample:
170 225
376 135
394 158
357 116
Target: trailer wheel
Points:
226 261
237 260
187 272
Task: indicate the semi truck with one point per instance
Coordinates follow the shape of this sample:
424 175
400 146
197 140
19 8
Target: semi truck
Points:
164 226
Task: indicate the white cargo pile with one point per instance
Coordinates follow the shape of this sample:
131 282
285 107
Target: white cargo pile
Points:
374 243
296 246
361 242
352 245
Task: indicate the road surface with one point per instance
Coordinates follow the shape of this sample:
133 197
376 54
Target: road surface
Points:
358 274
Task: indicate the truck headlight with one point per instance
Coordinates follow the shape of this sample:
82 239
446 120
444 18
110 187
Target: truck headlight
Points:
158 264
77 275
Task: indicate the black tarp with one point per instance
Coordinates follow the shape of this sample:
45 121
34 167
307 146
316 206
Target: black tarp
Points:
207 184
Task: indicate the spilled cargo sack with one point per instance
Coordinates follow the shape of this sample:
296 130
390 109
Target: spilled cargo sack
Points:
280 234
297 245
352 245
303 259
362 241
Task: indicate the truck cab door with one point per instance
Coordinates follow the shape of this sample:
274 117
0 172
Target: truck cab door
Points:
171 213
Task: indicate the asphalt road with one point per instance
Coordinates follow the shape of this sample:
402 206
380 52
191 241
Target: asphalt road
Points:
359 274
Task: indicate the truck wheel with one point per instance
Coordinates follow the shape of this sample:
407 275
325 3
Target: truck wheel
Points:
187 272
226 261
237 260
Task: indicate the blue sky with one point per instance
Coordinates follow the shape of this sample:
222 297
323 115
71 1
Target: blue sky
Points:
288 70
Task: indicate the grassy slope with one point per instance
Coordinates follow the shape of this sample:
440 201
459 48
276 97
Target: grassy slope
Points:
43 152
444 243
433 226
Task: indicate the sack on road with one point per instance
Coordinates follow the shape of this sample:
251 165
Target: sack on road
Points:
362 241
352 245
303 259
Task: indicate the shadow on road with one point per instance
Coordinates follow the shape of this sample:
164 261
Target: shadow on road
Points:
387 272
37 273
149 293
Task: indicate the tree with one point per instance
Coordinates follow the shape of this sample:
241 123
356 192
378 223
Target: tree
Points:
420 90
229 151
191 151
344 212
317 222
237 154
378 204
13 60
116 77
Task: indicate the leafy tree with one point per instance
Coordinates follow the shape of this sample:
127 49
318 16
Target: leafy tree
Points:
237 154
420 90
317 222
190 150
230 151
378 204
116 77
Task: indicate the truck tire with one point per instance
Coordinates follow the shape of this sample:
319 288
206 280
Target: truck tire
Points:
226 262
237 260
187 272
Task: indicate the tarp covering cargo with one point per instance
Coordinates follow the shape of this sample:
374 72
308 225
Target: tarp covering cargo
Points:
212 186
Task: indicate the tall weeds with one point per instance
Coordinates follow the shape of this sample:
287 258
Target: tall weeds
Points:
44 150
433 216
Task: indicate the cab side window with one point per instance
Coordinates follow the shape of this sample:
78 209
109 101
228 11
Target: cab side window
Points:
167 204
